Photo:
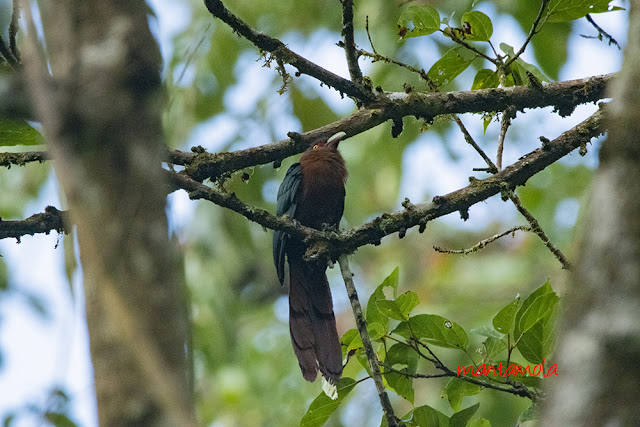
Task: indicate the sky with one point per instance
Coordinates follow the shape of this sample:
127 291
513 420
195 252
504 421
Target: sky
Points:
51 350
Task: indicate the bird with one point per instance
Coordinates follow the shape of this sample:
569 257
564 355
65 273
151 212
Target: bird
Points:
312 193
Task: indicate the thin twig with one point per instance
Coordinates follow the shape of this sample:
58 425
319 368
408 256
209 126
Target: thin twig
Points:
13 29
420 71
467 136
361 323
507 115
388 369
477 51
602 33
369 36
535 227
484 242
534 30
349 41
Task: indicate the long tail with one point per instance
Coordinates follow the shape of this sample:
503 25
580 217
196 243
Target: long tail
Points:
312 324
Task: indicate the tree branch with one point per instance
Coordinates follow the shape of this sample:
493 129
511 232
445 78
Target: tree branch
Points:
21 159
361 323
332 245
602 33
284 54
50 220
349 41
481 244
13 29
563 95
535 227
534 30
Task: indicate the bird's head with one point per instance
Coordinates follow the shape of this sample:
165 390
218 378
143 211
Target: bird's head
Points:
330 143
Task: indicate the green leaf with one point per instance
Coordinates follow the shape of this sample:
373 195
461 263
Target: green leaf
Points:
536 344
485 79
426 416
517 74
487 331
8 419
322 407
456 389
491 348
349 336
479 422
403 358
536 322
407 302
18 132
436 330
374 315
532 69
568 10
375 331
530 414
361 357
447 68
461 418
537 306
540 309
487 118
59 420
425 20
390 309
504 320
479 26
400 307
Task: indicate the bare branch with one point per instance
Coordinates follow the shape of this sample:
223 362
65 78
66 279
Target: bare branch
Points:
455 38
507 115
361 324
349 42
467 136
535 226
377 57
602 33
534 30
50 220
332 245
21 159
483 243
369 36
13 29
564 95
279 50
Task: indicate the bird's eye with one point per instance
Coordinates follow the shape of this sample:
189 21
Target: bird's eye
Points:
315 147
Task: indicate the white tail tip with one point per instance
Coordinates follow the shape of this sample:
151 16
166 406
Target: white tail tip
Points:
329 389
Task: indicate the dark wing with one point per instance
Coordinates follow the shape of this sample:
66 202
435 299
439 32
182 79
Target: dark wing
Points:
287 204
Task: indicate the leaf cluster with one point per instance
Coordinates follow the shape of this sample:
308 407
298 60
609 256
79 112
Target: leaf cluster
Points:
404 342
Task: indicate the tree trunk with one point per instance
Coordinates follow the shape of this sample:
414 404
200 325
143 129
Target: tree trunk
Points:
101 113
599 355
